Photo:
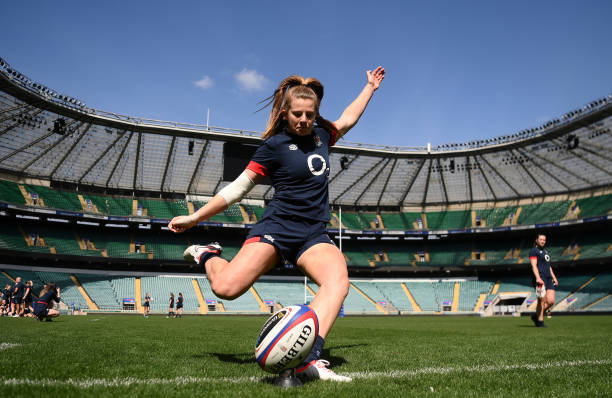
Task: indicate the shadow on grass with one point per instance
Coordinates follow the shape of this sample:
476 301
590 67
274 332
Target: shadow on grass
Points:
249 358
240 359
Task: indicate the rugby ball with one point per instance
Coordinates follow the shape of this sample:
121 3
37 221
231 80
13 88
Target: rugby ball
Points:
540 291
286 338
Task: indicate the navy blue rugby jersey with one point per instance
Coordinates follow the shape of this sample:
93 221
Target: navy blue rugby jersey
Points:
27 295
19 289
299 169
47 297
543 261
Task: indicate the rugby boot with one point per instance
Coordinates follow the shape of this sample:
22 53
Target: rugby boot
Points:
196 252
318 369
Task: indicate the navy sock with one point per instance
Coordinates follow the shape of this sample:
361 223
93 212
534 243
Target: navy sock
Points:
316 351
206 255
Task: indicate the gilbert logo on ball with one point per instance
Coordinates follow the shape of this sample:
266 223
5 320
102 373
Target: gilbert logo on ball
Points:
286 338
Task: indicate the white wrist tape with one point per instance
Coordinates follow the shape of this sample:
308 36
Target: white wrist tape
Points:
236 190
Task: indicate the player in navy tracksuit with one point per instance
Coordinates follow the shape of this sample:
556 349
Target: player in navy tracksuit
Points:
44 305
295 156
543 275
179 306
171 306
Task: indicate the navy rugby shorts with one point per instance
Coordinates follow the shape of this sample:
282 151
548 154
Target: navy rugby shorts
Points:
41 310
548 282
291 235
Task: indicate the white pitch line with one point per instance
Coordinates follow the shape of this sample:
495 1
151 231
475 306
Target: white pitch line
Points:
472 369
393 374
6 346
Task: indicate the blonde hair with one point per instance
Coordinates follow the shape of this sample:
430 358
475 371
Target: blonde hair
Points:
290 88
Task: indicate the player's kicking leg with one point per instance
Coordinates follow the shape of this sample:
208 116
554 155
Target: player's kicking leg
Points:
325 265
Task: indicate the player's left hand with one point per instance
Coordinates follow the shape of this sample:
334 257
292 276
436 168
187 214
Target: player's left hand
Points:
376 77
555 282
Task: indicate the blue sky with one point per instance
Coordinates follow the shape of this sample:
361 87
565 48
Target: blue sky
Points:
456 70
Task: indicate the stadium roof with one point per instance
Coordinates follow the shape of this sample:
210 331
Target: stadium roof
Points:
47 135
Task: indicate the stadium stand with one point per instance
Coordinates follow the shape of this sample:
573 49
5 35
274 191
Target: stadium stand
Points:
123 287
394 294
470 293
598 288
100 290
116 171
283 293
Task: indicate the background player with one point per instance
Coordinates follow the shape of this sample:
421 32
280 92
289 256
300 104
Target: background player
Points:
171 306
147 305
18 291
28 310
296 157
179 306
543 275
44 305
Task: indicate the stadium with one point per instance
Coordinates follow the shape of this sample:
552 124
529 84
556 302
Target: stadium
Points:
440 230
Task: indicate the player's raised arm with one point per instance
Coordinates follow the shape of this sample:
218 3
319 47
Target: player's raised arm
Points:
229 195
353 112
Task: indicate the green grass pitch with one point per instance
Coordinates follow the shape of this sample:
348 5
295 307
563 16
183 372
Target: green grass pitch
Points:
119 355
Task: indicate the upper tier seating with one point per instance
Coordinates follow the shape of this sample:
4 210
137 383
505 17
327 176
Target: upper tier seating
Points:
23 194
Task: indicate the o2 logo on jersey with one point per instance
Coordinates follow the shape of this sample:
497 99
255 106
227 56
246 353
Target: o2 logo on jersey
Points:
317 164
547 257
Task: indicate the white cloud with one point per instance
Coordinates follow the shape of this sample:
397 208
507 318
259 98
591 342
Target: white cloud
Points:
204 83
250 80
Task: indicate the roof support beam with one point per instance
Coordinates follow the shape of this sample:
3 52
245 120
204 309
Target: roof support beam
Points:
442 178
161 188
343 169
414 177
484 175
599 150
9 117
12 109
427 181
120 135
357 180
12 126
382 191
372 180
529 173
195 170
500 176
136 161
587 160
468 167
546 160
43 153
531 155
69 151
127 143
29 144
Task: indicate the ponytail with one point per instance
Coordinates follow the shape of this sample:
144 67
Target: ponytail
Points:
290 88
